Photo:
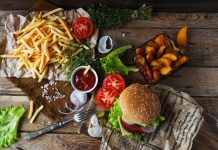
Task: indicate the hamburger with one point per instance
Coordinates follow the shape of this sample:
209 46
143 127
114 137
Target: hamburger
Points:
136 112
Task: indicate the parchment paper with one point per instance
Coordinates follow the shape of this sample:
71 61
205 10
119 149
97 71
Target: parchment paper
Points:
14 22
183 121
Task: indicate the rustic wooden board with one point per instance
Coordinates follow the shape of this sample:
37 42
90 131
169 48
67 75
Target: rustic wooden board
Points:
198 79
57 142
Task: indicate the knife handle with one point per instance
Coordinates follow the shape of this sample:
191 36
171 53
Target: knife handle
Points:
42 131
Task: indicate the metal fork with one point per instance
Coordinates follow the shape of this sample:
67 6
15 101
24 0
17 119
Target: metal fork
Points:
77 117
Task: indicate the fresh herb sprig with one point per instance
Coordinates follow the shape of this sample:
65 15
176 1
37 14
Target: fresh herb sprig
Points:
105 17
79 56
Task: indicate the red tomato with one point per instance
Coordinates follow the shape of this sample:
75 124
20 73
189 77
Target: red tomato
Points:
83 28
131 128
115 80
106 96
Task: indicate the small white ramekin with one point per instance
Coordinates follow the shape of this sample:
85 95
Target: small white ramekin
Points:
73 75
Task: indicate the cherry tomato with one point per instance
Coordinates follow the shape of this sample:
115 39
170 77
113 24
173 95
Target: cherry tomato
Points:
115 80
106 96
83 28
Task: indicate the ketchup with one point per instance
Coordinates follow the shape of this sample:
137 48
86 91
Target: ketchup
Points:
84 81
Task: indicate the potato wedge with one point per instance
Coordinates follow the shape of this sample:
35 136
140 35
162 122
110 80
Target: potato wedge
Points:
139 50
160 40
161 51
152 44
140 59
149 49
181 61
182 37
170 56
156 76
148 71
166 70
165 61
156 68
149 57
156 63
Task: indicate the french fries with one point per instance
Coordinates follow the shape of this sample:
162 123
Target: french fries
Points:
41 43
159 58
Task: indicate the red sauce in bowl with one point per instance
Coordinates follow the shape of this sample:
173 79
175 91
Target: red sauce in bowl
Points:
86 81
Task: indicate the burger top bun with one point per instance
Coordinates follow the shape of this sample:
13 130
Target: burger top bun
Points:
139 104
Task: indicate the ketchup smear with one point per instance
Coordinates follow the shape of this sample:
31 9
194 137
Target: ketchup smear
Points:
84 81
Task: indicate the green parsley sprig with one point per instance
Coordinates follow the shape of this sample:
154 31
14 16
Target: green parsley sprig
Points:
105 17
79 56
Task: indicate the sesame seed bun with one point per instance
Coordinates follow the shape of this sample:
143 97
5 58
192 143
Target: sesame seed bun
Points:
139 104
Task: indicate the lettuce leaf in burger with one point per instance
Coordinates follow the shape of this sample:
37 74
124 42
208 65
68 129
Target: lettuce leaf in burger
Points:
136 112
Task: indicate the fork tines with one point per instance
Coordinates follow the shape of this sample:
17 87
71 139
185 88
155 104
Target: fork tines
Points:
85 114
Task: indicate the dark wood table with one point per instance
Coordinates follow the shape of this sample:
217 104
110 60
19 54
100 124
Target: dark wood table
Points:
199 78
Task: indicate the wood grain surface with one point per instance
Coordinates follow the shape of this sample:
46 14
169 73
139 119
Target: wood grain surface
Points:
199 78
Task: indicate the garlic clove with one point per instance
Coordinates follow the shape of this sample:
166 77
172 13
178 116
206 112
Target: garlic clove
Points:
95 131
102 44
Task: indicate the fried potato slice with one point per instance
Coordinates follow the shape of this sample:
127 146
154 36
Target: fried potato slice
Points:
166 70
181 61
170 56
165 61
156 63
161 51
148 71
139 58
160 40
139 50
149 57
149 49
152 44
156 76
182 37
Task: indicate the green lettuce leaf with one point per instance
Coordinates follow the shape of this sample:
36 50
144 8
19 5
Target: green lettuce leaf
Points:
113 64
9 119
124 132
157 121
113 117
114 121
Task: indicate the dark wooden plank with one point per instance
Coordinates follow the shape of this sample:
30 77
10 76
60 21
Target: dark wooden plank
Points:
209 104
177 20
158 5
16 5
195 81
158 20
57 142
202 43
206 138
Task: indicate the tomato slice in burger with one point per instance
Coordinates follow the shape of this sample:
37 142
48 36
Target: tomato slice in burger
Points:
106 96
115 80
131 128
83 28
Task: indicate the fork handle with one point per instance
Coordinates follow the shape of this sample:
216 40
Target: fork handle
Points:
47 129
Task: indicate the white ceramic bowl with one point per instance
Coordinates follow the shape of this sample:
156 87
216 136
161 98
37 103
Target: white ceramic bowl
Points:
73 75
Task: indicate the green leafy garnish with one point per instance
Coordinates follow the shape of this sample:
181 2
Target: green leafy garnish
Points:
114 120
79 56
113 117
9 119
112 63
157 121
105 17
